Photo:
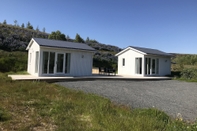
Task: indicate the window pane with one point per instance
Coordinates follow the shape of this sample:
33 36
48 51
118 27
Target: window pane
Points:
60 62
45 62
67 64
138 65
51 62
153 66
123 62
36 63
157 66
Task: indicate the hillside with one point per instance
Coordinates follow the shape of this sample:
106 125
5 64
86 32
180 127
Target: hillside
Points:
15 38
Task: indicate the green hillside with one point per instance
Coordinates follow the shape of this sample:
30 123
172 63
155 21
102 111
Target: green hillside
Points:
15 38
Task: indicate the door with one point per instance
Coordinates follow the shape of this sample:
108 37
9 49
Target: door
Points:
60 63
48 62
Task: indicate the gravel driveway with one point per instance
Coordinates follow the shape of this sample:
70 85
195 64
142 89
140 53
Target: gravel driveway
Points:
170 96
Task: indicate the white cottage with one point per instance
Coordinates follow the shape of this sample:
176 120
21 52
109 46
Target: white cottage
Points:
59 58
138 61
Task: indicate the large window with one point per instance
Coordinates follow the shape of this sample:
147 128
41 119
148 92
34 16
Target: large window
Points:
151 66
55 63
138 65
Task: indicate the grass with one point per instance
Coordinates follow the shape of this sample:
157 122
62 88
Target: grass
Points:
42 106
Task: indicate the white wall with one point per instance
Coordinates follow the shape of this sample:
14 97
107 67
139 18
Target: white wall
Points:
80 62
164 66
31 61
129 68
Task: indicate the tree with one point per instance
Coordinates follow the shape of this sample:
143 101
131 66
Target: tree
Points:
15 22
67 37
78 39
37 28
43 30
29 26
22 25
4 22
57 36
93 41
87 39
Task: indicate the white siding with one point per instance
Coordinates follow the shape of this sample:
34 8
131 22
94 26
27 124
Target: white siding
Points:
31 58
81 63
164 66
129 68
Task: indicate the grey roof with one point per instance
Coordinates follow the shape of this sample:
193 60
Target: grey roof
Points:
151 51
62 44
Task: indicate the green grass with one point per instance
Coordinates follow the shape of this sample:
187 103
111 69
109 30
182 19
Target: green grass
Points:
42 106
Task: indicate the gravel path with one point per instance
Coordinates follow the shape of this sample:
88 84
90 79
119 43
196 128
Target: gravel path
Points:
170 96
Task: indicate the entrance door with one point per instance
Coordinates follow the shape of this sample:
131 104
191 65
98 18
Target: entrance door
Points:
60 63
48 62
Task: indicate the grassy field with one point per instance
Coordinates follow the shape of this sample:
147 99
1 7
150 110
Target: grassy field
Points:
41 106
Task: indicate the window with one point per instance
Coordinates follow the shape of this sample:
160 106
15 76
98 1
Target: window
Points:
67 64
151 66
30 58
45 62
138 65
123 62
36 63
51 62
157 66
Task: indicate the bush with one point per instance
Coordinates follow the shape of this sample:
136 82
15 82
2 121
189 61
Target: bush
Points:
13 61
189 73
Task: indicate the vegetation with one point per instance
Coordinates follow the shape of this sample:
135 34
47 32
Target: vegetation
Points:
78 39
185 67
57 36
13 61
41 106
16 38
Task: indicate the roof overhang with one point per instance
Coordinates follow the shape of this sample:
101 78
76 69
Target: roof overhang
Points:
30 43
53 47
130 48
159 55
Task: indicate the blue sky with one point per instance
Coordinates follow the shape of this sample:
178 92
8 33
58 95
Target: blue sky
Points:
167 25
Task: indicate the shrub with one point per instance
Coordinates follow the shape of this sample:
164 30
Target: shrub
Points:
189 73
13 61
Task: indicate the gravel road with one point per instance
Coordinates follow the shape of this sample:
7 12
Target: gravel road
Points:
171 96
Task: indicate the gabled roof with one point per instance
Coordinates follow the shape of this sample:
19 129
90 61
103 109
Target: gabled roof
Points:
61 44
145 51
